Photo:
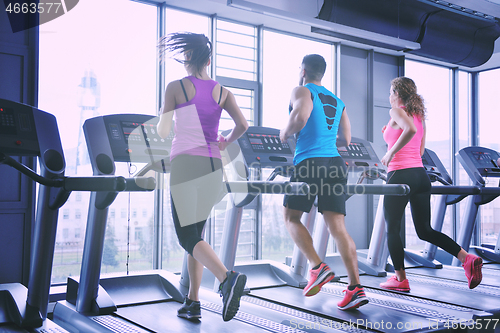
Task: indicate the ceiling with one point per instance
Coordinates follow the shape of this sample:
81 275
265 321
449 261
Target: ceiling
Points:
310 9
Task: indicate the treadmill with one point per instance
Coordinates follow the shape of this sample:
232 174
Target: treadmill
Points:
480 163
28 131
425 259
429 281
143 301
276 297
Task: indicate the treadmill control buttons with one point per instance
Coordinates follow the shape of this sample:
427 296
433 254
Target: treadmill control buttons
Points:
7 123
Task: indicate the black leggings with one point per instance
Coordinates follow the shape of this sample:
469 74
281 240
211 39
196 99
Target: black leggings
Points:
419 197
195 186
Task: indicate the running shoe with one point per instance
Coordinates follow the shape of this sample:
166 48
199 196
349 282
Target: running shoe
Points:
190 309
353 299
231 290
393 284
472 266
318 277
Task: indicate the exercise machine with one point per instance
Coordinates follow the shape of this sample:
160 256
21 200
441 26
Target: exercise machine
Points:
134 302
28 131
479 163
276 297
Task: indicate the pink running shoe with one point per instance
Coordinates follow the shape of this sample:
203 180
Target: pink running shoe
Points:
353 299
472 266
318 277
393 284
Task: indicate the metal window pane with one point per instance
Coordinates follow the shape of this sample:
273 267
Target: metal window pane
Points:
235 73
235 51
236 38
240 64
230 26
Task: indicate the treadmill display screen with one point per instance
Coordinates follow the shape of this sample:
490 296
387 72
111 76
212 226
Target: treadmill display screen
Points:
482 158
355 151
267 143
136 133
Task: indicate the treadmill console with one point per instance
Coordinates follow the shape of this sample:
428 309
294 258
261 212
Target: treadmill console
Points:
360 155
262 147
131 137
17 129
479 162
434 167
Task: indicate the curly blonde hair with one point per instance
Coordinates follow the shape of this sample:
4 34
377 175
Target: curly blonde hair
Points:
407 92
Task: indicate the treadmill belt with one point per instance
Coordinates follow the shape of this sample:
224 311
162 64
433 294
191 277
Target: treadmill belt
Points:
482 298
491 277
398 314
162 317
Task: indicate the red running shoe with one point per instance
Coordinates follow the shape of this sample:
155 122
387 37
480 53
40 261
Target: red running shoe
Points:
393 284
318 277
472 266
353 299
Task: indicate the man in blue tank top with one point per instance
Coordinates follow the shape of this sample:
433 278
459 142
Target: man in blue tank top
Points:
320 123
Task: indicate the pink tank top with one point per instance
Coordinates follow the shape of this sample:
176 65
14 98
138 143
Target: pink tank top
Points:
409 155
197 122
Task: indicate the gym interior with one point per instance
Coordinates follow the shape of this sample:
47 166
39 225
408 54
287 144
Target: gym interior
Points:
84 247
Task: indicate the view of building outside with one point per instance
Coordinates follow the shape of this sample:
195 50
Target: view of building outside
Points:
93 63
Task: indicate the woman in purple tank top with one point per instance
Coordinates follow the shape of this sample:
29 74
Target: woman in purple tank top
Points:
195 104
405 136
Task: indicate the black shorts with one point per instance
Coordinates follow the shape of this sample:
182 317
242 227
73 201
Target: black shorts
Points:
327 177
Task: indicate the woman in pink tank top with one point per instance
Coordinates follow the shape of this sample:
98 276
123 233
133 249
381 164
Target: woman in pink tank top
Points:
195 103
405 138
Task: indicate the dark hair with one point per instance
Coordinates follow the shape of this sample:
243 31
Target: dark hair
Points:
315 66
197 47
407 92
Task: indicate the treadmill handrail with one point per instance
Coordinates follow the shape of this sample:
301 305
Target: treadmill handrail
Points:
434 176
386 189
299 188
95 184
4 159
267 187
91 184
490 190
456 190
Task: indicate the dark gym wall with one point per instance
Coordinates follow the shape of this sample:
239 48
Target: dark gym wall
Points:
364 87
19 83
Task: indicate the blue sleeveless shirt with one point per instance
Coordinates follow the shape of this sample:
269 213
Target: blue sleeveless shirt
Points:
318 138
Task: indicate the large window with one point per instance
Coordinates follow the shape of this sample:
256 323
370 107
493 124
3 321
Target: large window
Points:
282 58
433 84
489 138
236 70
236 51
93 62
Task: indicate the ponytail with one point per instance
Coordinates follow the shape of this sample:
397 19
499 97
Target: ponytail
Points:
197 49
